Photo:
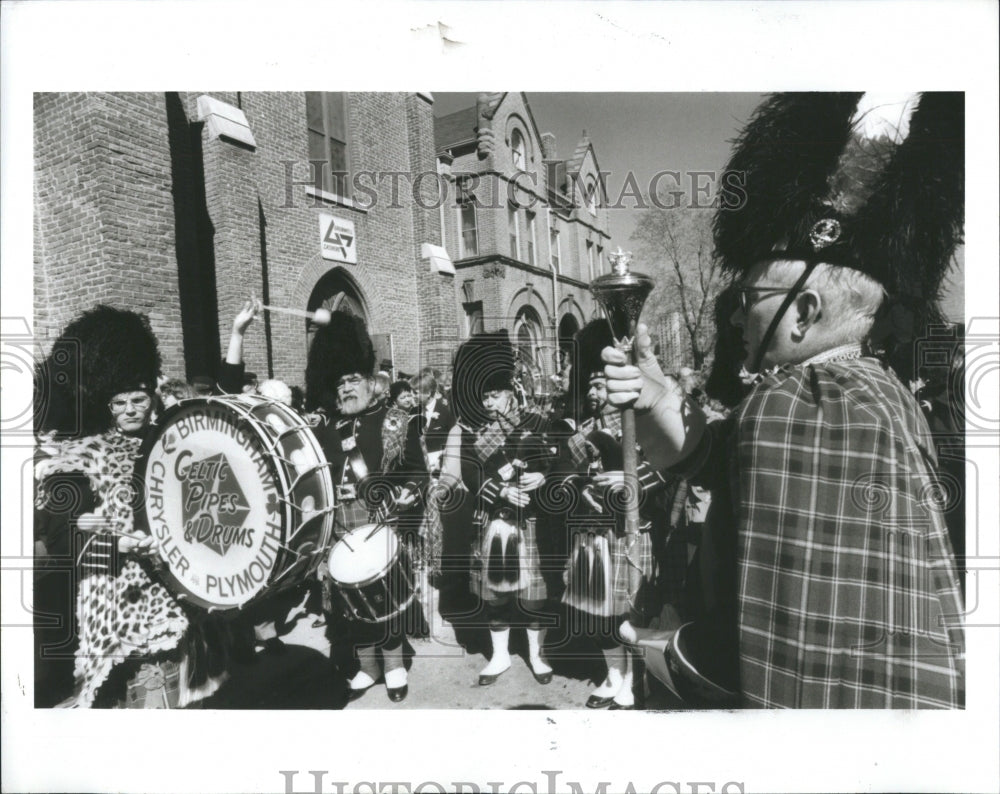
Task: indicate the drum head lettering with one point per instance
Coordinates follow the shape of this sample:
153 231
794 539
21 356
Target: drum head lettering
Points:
213 505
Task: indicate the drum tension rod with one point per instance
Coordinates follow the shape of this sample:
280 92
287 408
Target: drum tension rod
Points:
315 513
311 470
290 550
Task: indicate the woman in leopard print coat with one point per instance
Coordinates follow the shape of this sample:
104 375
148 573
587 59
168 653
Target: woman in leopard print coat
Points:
127 624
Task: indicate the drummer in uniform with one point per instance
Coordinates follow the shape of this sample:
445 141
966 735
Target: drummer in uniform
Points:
378 471
500 452
609 575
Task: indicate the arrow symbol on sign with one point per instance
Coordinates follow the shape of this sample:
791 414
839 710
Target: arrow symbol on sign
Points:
338 239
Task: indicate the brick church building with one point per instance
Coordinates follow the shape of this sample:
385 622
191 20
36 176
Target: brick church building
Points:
182 205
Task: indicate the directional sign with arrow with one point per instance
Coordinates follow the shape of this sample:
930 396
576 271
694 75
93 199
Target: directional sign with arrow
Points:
337 239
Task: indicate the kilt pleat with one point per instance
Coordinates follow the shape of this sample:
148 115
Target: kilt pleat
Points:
535 589
585 578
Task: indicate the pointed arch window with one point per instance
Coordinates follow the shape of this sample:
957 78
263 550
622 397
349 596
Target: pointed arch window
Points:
518 151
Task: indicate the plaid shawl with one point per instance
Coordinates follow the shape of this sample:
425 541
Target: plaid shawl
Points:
610 422
846 592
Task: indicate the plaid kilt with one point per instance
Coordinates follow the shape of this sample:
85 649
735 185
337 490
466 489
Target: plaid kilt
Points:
621 599
478 584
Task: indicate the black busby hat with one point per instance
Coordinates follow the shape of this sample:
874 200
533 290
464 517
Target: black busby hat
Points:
103 352
585 362
870 182
341 347
485 362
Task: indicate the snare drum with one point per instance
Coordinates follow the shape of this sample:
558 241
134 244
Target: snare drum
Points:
239 497
372 574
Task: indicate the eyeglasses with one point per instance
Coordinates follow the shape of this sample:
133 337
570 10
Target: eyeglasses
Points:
350 380
120 404
760 292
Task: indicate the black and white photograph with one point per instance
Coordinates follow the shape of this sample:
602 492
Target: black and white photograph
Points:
344 424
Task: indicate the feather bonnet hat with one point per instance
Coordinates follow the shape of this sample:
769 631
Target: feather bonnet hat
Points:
873 182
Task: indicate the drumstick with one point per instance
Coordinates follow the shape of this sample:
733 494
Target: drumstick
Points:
320 316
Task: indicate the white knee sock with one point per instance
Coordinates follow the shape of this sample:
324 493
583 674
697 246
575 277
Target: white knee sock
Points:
535 642
617 662
625 696
500 660
361 681
395 678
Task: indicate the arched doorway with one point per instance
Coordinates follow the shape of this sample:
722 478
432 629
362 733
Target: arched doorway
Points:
335 291
568 326
528 338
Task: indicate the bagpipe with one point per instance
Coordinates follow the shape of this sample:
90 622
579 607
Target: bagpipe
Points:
509 451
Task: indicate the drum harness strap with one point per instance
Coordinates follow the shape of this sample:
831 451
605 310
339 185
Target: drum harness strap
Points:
356 462
348 443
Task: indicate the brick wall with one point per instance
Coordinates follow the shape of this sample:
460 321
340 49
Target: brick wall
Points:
136 205
103 213
436 293
133 197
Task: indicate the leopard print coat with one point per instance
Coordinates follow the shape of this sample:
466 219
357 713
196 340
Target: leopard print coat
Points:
120 613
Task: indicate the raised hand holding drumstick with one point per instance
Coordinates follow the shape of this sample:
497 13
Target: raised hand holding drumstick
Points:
320 316
241 322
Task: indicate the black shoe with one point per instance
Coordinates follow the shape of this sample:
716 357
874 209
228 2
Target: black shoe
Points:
490 680
398 695
597 702
354 694
619 707
541 678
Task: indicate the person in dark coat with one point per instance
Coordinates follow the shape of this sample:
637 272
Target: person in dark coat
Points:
378 471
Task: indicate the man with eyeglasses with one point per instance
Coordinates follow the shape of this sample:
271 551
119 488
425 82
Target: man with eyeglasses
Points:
378 470
828 578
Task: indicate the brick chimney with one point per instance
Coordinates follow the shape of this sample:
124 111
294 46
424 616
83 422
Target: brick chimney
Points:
549 146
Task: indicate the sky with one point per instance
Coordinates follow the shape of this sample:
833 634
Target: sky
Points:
642 132
652 132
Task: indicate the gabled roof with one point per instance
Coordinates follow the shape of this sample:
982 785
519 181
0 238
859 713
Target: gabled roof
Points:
575 163
455 128
460 127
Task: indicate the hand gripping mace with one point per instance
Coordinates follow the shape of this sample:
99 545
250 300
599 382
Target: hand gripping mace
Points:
622 295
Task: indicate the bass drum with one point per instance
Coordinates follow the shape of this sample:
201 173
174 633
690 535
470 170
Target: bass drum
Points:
239 497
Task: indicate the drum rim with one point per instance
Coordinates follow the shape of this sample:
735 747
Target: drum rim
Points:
400 550
402 607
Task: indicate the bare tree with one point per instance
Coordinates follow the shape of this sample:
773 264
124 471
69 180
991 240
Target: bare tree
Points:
675 248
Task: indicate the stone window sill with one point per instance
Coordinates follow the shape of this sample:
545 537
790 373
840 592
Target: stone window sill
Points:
335 200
